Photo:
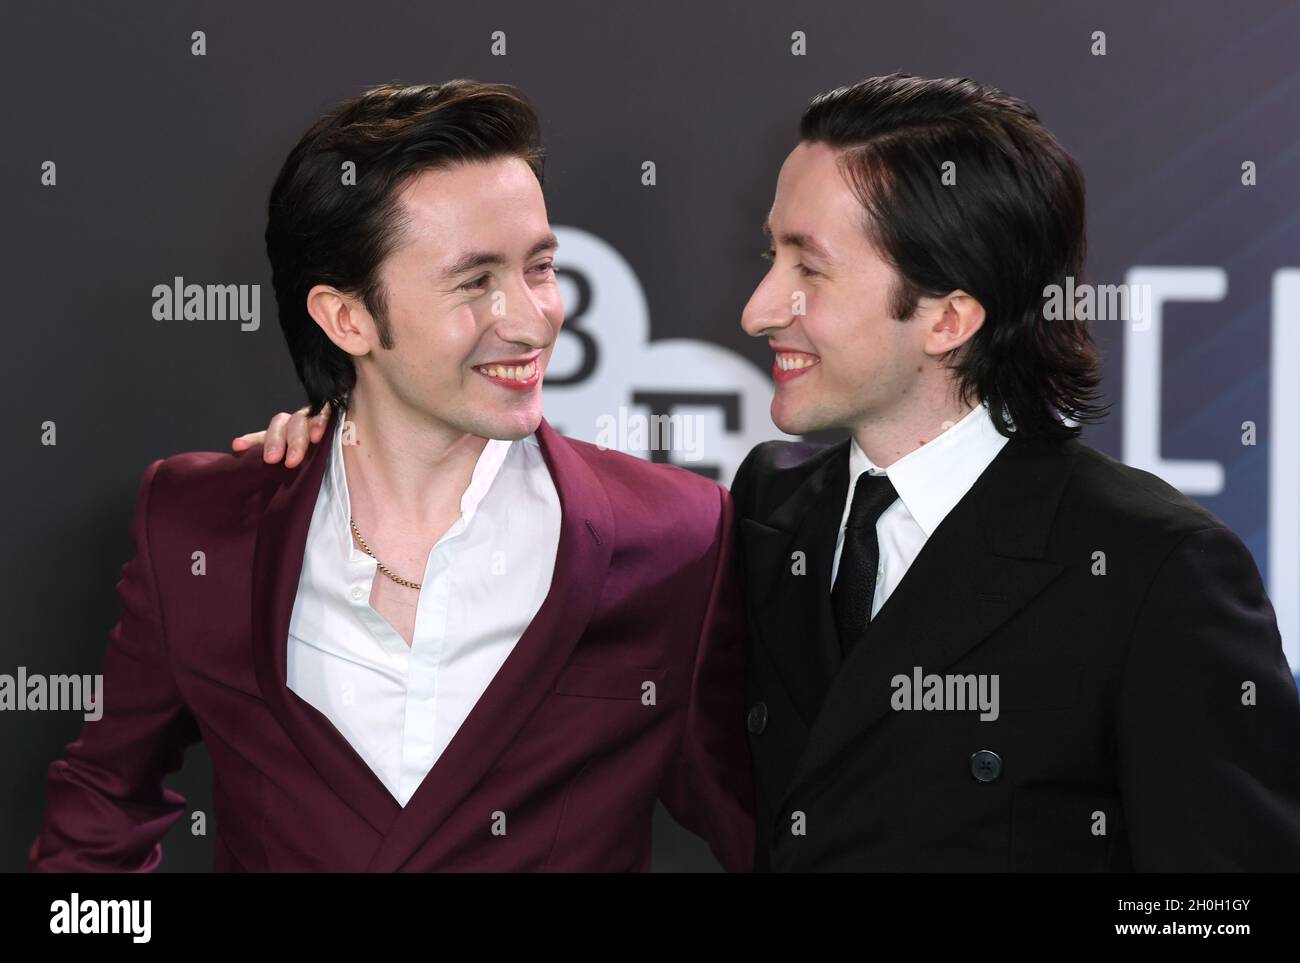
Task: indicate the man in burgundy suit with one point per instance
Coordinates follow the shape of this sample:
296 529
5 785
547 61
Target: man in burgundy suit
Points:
573 649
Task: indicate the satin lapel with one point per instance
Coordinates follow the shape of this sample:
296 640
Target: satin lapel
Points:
791 593
981 565
530 671
277 565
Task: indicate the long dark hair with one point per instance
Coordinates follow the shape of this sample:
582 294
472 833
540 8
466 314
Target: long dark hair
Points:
1011 225
321 230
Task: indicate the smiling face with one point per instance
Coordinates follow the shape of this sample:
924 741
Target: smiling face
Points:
472 304
844 361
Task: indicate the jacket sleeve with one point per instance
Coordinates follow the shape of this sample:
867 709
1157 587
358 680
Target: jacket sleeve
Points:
1208 722
709 788
106 806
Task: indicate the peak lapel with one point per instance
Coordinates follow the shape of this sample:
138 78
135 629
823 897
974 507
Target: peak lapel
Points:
277 565
529 672
792 604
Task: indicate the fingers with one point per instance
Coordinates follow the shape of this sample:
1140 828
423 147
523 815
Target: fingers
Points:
287 436
319 423
273 447
298 436
250 440
302 432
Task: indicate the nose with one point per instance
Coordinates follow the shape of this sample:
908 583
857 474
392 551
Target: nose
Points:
769 309
527 316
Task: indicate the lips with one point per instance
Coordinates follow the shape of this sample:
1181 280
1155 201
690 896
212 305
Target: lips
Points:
789 365
519 375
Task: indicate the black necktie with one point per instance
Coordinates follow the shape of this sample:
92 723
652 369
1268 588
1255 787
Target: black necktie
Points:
855 584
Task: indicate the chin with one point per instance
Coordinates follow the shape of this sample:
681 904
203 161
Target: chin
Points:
514 425
807 418
792 420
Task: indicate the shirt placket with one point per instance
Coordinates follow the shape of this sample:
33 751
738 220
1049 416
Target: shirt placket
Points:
428 645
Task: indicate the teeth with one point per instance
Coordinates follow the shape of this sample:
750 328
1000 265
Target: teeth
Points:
520 372
793 362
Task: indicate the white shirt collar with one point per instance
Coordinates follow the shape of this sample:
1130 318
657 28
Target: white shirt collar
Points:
932 479
486 470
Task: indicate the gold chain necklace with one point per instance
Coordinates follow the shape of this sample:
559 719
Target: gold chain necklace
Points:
382 567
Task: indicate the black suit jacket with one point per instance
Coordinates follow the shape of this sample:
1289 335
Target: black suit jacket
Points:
1122 741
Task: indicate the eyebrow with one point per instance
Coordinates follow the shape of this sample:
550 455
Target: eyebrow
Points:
473 260
805 242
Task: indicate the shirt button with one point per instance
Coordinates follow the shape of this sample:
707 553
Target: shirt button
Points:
358 594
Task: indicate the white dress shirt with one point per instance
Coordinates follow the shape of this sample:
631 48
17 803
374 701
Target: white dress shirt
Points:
483 582
930 481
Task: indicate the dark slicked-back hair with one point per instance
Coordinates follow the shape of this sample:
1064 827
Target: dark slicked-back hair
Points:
1012 224
323 230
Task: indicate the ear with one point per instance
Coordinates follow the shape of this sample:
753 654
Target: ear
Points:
343 319
959 316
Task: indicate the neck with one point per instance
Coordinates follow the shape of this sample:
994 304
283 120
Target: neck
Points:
887 437
405 470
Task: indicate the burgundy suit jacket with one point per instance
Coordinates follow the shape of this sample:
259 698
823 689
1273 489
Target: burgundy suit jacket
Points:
560 751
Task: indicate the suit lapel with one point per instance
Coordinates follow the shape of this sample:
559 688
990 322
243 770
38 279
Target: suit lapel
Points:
530 671
981 565
277 565
791 599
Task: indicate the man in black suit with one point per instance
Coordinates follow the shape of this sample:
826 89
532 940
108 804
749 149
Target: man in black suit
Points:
978 644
